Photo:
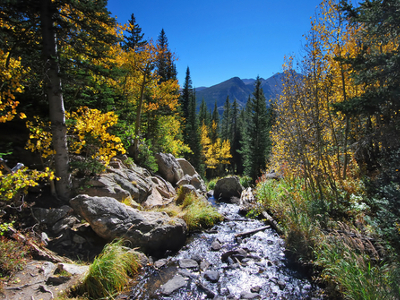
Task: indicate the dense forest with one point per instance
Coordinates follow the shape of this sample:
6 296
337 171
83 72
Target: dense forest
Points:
84 85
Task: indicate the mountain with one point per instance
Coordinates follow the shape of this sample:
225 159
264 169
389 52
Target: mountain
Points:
239 89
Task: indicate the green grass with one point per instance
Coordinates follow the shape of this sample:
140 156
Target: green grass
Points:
109 272
199 214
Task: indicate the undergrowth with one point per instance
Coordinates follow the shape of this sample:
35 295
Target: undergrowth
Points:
338 237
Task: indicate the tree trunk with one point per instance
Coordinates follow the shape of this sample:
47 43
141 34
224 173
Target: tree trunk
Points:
56 102
138 117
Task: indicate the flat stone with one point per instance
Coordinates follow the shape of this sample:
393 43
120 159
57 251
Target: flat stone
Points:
174 284
247 295
188 263
160 263
212 276
72 268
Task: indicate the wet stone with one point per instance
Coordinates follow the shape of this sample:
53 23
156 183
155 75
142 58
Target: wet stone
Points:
174 284
212 276
160 263
255 289
186 273
216 246
248 295
188 264
281 284
204 265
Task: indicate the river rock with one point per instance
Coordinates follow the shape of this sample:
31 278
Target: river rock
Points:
216 245
168 167
227 188
248 295
174 284
188 263
212 276
152 232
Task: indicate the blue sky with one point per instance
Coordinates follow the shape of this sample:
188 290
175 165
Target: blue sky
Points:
221 39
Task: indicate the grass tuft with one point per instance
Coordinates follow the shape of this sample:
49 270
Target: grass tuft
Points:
109 272
199 214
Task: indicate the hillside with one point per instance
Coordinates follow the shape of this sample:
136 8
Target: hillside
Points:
239 89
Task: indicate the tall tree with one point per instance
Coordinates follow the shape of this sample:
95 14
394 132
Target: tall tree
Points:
204 114
236 137
133 41
187 93
215 123
226 121
165 64
256 139
83 24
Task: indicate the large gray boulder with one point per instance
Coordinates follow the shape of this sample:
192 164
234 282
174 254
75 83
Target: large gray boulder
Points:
121 183
151 232
190 176
168 167
186 166
228 188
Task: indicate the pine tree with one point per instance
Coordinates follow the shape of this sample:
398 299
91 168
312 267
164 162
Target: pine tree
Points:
215 120
133 41
186 95
236 137
165 65
226 121
204 114
255 143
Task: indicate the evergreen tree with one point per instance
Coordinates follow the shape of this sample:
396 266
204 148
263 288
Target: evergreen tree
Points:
187 93
226 121
255 144
204 114
165 65
235 138
133 41
215 119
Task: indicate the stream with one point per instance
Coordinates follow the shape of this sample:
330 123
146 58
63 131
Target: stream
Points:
217 265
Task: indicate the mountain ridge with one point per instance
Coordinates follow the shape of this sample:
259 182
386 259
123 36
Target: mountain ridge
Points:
239 89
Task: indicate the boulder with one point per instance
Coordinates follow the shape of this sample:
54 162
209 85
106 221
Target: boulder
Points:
156 200
227 188
191 176
169 168
164 187
186 166
247 201
151 232
51 216
120 183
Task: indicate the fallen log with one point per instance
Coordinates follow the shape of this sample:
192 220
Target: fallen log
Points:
252 231
37 250
272 222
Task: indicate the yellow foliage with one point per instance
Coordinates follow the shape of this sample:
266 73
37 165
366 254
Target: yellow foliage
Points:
87 131
19 181
309 138
214 154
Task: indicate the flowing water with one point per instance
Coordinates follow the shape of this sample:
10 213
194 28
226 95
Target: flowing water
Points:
217 265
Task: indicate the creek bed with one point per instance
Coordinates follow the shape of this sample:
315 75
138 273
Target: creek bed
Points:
217 265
